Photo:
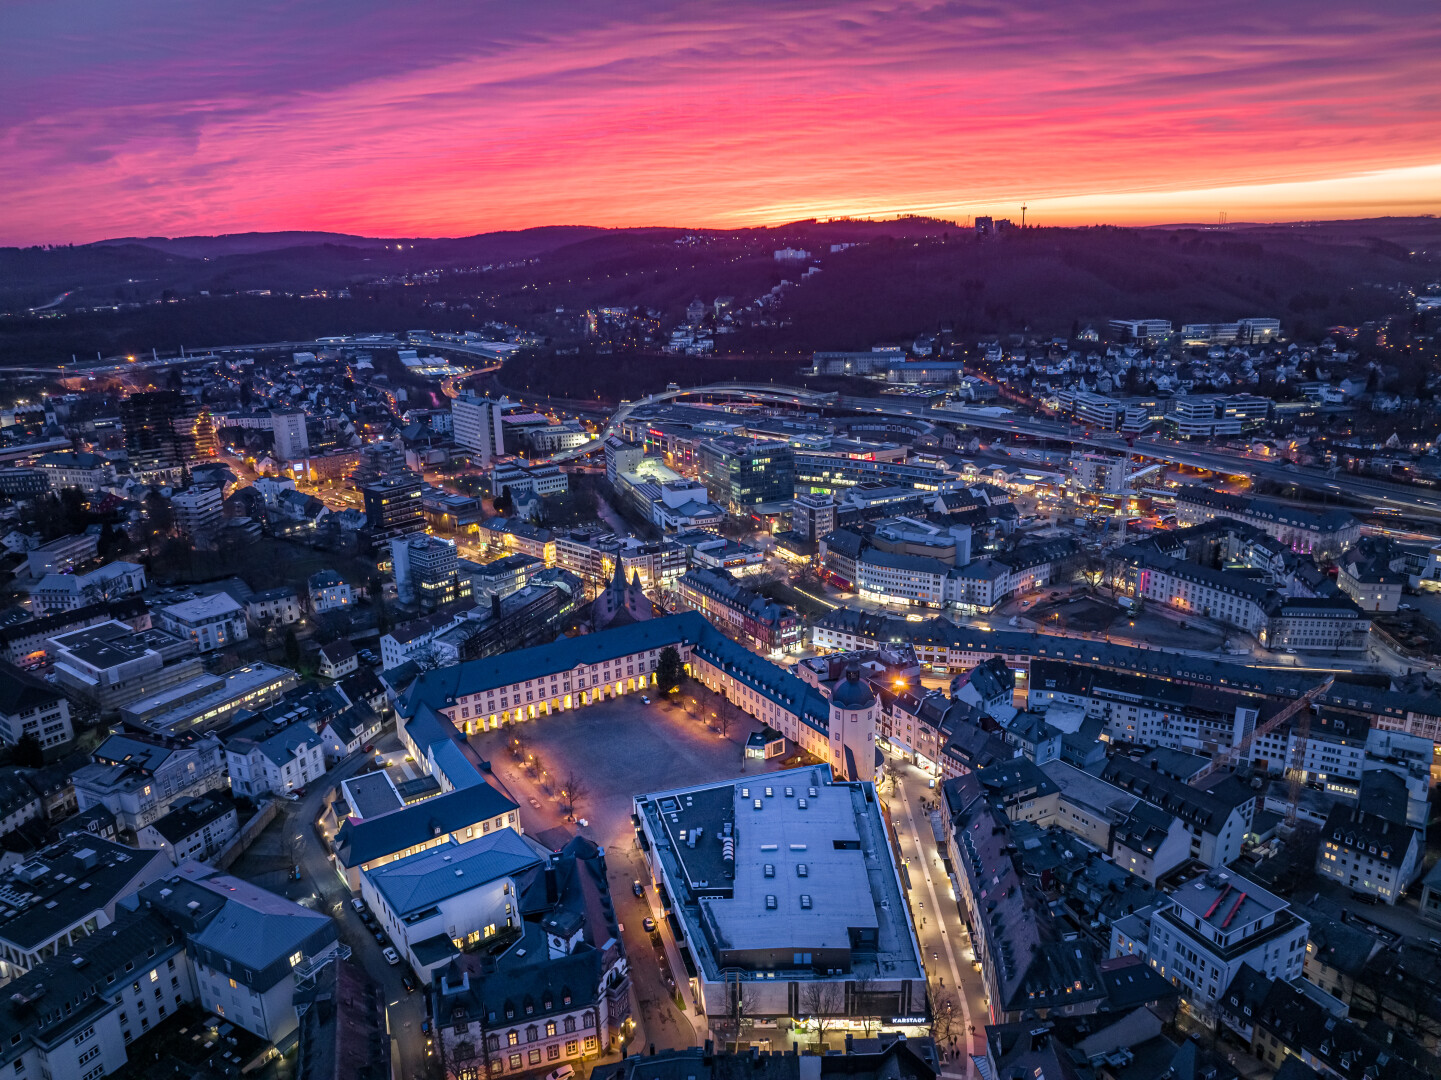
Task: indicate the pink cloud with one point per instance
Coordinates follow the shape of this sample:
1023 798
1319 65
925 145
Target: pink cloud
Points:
434 119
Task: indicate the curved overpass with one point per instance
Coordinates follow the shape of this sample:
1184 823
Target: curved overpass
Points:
769 392
1155 449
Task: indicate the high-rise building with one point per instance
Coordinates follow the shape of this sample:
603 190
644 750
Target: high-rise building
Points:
741 474
393 508
476 422
427 570
291 439
165 429
813 515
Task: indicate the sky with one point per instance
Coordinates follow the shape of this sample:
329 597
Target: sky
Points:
168 117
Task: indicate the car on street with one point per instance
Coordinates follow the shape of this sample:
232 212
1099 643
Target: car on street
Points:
565 1072
637 888
408 981
391 956
378 935
290 796
649 925
645 700
358 904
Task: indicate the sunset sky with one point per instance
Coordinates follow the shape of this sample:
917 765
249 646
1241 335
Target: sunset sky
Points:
168 117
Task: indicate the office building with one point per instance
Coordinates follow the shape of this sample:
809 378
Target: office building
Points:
786 890
426 570
476 422
110 664
747 476
393 508
207 701
166 430
292 442
813 516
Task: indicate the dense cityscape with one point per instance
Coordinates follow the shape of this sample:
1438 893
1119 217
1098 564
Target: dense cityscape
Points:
720 542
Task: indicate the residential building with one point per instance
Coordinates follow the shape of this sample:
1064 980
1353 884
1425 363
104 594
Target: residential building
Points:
328 592
62 556
762 624
211 622
781 883
1217 819
338 659
1369 854
249 949
30 706
265 759
69 592
166 430
138 777
196 828
91 473
274 607
65 893
198 510
1201 934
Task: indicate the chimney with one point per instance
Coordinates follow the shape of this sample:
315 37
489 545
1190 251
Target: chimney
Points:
850 1043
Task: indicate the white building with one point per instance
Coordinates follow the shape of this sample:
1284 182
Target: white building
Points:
477 426
292 442
212 622
329 593
463 893
1201 934
198 510
263 761
66 592
138 778
277 607
193 829
512 478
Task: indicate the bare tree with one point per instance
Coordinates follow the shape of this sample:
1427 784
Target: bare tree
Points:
573 789
943 1017
861 987
426 658
823 1003
740 1002
533 765
104 590
726 715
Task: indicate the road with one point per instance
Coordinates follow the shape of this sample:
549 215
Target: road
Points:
404 1011
945 944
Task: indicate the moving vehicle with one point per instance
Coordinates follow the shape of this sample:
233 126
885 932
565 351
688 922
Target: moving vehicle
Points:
637 888
408 981
290 796
391 956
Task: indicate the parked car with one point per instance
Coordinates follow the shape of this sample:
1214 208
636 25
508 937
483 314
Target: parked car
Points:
637 888
649 924
290 796
408 981
358 904
379 937
391 956
565 1072
645 700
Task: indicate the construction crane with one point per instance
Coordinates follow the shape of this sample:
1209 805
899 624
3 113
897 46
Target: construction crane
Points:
1228 757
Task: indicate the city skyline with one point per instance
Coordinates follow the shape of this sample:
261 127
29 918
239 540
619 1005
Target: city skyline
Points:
431 121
